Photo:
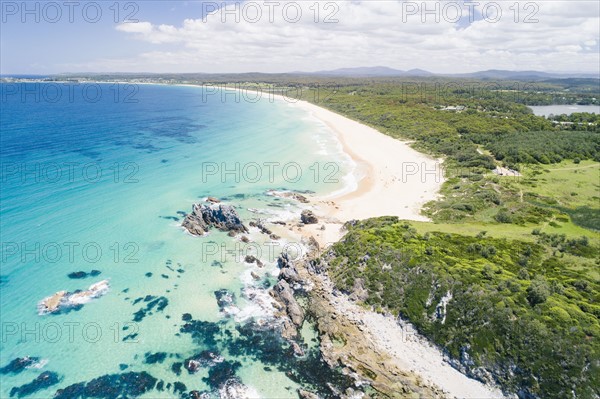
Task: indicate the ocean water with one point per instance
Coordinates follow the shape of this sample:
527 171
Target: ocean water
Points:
101 182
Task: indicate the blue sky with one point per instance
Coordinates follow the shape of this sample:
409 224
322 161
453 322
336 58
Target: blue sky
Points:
174 37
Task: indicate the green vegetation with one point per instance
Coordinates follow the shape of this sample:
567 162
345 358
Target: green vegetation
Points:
561 195
515 258
528 312
578 121
542 147
522 277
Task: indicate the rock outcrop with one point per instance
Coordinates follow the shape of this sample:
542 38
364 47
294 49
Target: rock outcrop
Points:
253 259
289 194
308 217
234 389
285 294
307 395
263 229
287 271
65 300
222 217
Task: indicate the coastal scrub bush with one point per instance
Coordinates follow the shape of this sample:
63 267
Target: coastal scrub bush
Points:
538 336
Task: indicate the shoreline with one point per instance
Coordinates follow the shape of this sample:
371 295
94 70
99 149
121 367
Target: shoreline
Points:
405 362
395 183
390 178
388 188
396 179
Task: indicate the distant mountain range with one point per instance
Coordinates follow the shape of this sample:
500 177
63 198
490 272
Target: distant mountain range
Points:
378 71
360 72
381 71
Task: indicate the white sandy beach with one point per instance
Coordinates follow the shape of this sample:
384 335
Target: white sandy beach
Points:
397 182
393 178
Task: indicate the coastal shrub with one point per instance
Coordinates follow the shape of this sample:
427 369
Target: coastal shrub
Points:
536 335
538 292
503 216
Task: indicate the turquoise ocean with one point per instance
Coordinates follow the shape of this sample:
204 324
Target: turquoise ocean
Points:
96 178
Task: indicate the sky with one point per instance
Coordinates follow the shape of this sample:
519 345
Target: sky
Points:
308 35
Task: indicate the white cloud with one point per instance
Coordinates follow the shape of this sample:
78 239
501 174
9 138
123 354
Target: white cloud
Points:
372 32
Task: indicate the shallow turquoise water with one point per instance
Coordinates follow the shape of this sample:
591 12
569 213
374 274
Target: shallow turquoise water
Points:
99 186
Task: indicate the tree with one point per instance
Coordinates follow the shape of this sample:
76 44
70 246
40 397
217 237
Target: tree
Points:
538 291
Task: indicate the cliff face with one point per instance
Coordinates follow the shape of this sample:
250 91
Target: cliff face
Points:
344 341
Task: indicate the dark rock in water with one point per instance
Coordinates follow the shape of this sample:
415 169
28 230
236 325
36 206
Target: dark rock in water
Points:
179 387
159 303
222 217
42 381
199 395
266 344
253 259
152 358
77 275
123 366
82 274
221 373
173 218
19 364
130 337
186 317
176 368
263 229
203 359
127 385
203 332
298 351
138 300
289 194
164 276
308 217
283 260
224 298
149 274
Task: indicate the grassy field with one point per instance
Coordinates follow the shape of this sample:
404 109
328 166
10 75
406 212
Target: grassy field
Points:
572 185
